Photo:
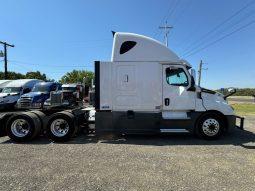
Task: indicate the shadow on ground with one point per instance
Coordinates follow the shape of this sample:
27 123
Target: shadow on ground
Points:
245 139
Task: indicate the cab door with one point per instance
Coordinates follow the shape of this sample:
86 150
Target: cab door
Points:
178 93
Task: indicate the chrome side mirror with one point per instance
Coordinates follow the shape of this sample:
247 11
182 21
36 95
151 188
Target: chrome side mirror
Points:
231 91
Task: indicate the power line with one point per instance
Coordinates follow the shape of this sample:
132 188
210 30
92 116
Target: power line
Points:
45 65
219 25
221 31
167 15
174 8
182 12
225 36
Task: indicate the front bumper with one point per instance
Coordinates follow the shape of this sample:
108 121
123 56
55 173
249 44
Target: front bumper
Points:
4 106
241 123
232 122
34 105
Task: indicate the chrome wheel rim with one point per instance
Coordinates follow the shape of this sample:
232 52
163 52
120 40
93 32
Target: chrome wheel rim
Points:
20 127
59 127
211 127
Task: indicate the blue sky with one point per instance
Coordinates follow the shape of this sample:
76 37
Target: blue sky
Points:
57 36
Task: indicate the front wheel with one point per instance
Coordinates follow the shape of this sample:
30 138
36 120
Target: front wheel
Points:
210 126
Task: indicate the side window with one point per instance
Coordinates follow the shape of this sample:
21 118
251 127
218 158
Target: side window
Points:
176 77
59 87
53 88
126 46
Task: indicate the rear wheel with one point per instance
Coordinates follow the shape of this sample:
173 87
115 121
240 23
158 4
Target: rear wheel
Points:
3 122
210 126
61 127
23 127
43 119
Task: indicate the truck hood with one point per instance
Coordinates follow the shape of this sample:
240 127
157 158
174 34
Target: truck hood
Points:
37 95
8 94
211 92
32 94
6 98
215 101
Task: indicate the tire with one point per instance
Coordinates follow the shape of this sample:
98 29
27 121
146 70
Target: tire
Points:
210 126
61 127
23 127
74 120
3 122
43 119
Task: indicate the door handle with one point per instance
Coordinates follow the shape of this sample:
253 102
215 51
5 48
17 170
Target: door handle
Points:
167 101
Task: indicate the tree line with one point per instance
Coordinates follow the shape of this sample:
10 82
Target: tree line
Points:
29 75
75 76
241 92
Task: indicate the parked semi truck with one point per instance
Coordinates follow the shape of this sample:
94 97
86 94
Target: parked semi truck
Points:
69 95
72 93
3 83
39 94
145 88
13 90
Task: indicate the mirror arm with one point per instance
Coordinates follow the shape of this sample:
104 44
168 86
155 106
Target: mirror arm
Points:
230 94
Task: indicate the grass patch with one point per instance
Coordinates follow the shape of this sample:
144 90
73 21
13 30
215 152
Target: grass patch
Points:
247 109
241 97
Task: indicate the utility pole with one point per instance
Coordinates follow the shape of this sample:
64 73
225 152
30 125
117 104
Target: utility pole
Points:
5 57
166 28
200 71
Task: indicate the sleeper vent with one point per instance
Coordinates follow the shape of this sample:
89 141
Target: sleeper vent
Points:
126 46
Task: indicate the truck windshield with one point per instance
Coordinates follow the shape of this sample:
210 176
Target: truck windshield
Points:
11 90
41 89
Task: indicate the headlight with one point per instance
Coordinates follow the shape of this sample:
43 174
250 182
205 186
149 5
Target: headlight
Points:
47 102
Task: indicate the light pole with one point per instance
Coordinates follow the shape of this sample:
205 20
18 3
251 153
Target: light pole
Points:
166 28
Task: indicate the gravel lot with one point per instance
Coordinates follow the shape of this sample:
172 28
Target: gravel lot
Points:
172 162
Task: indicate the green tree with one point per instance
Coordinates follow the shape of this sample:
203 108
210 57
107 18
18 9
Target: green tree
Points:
36 75
77 76
12 75
241 91
29 75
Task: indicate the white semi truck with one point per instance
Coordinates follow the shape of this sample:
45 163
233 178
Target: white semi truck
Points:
145 88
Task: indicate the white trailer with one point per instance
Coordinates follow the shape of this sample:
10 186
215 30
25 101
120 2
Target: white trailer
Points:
145 88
